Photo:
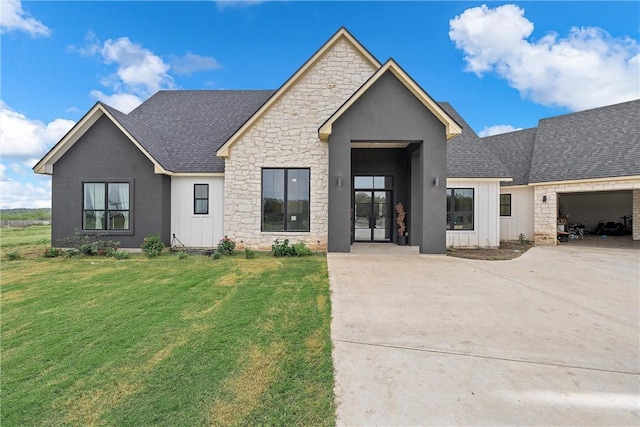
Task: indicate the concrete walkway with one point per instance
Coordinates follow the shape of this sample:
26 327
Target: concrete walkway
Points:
550 338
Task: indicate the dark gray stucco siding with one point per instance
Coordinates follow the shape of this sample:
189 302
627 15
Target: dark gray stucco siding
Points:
388 111
104 154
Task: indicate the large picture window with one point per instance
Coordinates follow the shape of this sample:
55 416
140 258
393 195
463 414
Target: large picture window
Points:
201 199
106 206
285 199
505 205
459 208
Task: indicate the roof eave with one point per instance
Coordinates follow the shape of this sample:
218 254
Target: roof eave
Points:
46 164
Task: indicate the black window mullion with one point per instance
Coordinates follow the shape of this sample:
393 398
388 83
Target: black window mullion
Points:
285 208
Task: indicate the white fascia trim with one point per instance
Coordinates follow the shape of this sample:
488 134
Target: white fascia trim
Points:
520 186
46 165
587 181
157 168
224 150
198 174
479 180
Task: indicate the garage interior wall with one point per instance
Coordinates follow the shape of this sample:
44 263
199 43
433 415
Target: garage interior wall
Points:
592 207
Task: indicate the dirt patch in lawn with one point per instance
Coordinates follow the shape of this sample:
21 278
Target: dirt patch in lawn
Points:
507 250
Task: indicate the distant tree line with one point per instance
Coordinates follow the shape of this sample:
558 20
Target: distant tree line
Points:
25 214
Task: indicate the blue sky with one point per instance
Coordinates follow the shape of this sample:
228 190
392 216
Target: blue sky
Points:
502 65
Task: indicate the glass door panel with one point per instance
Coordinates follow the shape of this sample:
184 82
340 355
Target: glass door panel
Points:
381 216
362 222
372 216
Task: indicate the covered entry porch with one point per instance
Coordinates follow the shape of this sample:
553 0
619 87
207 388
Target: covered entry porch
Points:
388 145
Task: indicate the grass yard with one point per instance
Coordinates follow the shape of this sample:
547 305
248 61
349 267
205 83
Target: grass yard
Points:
165 341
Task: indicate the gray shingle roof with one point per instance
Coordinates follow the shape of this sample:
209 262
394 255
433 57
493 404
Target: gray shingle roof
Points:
149 138
467 154
515 151
598 143
195 123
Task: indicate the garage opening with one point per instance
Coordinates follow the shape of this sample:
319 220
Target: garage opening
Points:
596 216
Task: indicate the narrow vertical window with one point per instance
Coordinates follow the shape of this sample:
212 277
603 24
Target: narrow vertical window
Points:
459 208
201 199
505 205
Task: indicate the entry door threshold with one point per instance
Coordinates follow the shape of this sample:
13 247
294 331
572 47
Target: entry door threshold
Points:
381 248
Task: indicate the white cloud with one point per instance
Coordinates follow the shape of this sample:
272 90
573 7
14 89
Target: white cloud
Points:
22 138
139 69
16 194
586 69
192 63
13 18
124 102
139 72
497 130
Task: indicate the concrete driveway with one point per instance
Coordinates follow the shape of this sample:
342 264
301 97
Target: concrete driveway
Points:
550 338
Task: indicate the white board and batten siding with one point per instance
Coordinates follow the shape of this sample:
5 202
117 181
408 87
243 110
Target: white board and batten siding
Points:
521 219
197 230
486 215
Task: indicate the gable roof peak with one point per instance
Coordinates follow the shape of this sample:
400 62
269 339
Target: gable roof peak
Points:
341 34
452 128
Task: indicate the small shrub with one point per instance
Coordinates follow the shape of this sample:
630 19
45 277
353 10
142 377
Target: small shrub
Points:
70 253
283 249
182 255
300 249
279 249
216 255
13 256
249 253
52 252
121 255
523 239
152 246
88 244
226 246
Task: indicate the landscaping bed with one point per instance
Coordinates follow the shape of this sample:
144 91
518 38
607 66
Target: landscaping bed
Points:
507 250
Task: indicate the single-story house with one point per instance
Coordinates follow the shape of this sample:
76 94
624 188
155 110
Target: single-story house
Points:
325 159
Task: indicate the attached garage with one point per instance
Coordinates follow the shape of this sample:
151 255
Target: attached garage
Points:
600 212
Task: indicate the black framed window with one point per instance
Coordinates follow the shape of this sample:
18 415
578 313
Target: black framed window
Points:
505 205
459 208
106 206
201 199
285 199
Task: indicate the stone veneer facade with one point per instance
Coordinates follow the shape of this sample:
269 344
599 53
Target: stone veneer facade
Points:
546 213
287 136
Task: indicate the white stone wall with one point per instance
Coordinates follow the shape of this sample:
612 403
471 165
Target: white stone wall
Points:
287 136
546 213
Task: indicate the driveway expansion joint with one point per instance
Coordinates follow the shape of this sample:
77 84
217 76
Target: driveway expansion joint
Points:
479 356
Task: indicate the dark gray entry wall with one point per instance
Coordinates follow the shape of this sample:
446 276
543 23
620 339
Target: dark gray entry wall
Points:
105 154
389 112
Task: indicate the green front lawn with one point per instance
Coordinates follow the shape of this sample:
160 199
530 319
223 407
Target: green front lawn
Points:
165 341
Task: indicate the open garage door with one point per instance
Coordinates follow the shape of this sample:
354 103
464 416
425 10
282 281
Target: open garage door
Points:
600 215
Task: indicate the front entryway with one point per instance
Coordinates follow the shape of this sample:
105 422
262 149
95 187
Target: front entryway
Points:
372 209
